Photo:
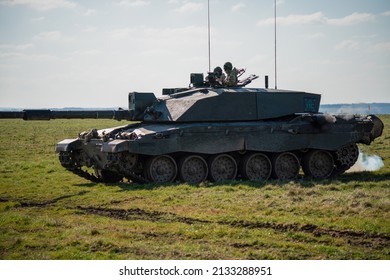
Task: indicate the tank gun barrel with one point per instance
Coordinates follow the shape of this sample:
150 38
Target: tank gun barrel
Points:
45 114
11 114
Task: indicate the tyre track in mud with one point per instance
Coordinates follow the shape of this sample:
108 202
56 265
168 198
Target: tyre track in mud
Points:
358 238
26 203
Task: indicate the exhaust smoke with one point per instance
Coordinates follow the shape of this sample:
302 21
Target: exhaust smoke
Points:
367 163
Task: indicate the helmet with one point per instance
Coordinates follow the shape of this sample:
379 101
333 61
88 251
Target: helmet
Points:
217 71
228 66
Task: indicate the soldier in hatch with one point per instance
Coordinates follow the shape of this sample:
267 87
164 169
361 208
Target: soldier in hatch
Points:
232 74
219 75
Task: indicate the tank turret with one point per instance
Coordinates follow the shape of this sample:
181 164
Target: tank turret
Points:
212 132
201 102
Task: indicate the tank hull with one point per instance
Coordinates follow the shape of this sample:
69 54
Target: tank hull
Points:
322 145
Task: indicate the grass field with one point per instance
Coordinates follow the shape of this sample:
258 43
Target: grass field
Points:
49 213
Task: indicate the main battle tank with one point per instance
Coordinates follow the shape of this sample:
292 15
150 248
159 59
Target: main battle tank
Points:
216 133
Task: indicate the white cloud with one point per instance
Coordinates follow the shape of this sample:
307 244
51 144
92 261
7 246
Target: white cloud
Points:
190 7
90 12
49 35
188 31
142 33
24 46
381 47
120 33
41 4
294 19
89 29
316 35
386 14
90 52
348 45
134 3
28 57
238 7
53 36
17 47
353 45
156 52
319 18
37 19
365 36
354 18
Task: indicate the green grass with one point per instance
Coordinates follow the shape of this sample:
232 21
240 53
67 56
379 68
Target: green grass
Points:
49 213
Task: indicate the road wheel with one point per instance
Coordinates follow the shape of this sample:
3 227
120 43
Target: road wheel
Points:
285 166
161 169
222 167
256 167
318 164
193 169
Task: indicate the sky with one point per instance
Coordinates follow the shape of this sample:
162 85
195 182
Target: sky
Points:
92 53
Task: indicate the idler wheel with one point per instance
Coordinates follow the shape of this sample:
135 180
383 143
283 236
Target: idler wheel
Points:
129 161
193 169
161 169
285 166
256 167
222 167
318 164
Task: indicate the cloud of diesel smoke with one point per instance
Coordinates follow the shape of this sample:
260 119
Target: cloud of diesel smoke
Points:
367 163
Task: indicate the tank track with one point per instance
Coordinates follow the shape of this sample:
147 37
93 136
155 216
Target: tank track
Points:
137 178
95 179
70 164
254 166
84 174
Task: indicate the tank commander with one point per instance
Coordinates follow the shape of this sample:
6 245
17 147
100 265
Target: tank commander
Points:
216 78
219 75
232 74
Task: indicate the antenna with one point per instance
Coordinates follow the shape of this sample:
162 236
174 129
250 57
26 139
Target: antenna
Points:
208 27
275 45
